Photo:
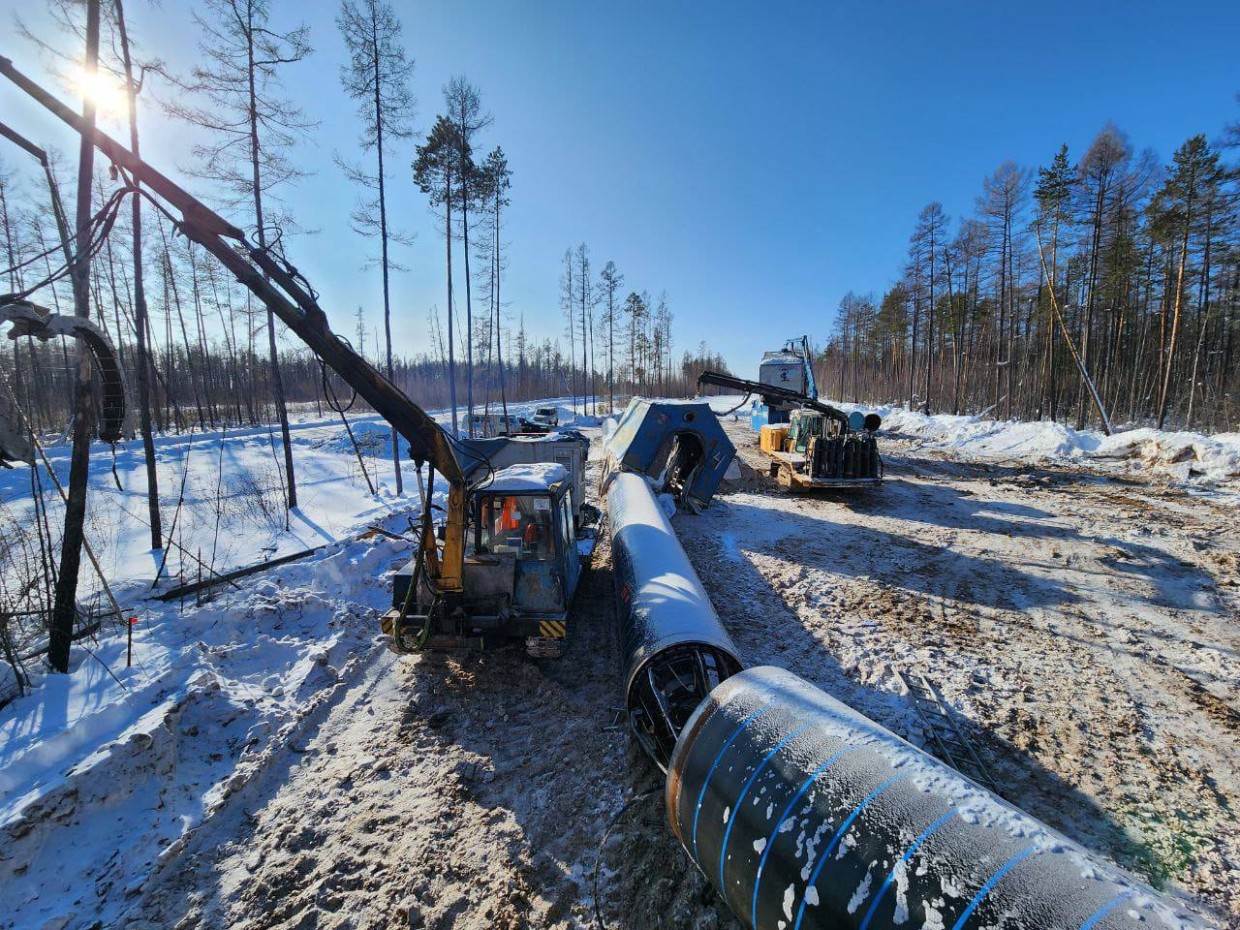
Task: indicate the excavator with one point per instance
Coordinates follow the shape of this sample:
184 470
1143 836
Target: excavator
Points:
512 577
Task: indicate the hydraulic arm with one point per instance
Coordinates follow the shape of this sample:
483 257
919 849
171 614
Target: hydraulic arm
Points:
282 289
773 394
28 319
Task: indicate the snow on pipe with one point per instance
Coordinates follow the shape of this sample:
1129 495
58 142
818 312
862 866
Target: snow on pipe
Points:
673 648
805 814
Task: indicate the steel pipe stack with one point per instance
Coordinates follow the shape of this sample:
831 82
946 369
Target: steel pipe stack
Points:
805 814
673 649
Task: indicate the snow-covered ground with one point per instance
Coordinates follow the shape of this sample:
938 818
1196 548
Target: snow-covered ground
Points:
1081 622
266 763
133 759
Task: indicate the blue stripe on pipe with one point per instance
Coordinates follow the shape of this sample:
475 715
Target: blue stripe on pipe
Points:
1107 908
740 798
990 884
770 840
839 835
869 915
714 765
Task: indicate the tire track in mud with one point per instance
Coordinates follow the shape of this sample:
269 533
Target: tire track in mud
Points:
462 791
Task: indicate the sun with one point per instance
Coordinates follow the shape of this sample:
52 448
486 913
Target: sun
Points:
105 90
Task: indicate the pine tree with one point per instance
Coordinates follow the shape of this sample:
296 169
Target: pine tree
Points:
1175 212
434 171
463 107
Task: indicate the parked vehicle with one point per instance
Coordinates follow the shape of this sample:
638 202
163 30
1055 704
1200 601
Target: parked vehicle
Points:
546 417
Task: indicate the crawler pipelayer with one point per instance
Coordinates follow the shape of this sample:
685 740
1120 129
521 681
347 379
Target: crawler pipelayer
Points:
817 446
515 578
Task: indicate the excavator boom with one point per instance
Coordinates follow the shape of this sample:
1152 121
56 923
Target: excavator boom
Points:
773 394
278 285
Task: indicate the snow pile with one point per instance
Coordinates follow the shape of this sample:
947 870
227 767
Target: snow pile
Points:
1186 456
370 435
527 477
1181 456
133 764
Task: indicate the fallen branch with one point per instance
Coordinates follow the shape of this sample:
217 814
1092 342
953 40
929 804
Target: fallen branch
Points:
229 577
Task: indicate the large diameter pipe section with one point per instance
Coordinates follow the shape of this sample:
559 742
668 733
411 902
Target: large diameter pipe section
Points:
805 814
673 649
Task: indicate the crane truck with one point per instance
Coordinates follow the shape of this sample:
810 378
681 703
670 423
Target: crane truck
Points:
514 575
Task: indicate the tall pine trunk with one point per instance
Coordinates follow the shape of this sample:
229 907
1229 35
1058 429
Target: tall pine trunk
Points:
64 610
277 380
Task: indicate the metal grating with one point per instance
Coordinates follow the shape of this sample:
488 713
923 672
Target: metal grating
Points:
947 740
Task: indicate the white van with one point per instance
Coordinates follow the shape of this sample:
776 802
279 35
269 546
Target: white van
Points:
546 417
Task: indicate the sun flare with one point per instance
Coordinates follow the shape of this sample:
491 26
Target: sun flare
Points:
105 90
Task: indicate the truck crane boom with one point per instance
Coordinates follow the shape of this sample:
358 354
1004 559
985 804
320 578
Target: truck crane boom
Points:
278 285
773 394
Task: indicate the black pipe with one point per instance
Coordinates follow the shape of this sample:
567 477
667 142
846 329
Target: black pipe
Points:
805 814
673 649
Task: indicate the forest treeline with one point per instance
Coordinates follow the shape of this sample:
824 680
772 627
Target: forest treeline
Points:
208 355
1104 287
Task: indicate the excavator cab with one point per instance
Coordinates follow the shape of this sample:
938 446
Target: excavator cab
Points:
520 572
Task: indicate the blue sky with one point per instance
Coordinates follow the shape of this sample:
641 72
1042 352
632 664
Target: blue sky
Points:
756 162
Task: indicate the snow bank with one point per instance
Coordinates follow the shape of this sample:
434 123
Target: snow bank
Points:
1182 456
135 763
105 771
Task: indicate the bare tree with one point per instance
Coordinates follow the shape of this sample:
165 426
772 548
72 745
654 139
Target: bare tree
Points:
585 295
610 282
377 77
1003 195
133 87
64 610
495 182
568 303
251 129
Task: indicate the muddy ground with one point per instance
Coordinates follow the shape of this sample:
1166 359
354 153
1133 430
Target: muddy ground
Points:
1082 627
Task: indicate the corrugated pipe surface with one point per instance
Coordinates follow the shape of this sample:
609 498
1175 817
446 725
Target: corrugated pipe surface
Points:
805 814
673 649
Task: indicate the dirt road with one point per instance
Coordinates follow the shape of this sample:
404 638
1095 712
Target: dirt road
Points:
1083 629
447 791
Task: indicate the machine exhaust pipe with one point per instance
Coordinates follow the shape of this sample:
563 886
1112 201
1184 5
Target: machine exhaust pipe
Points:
673 649
802 813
